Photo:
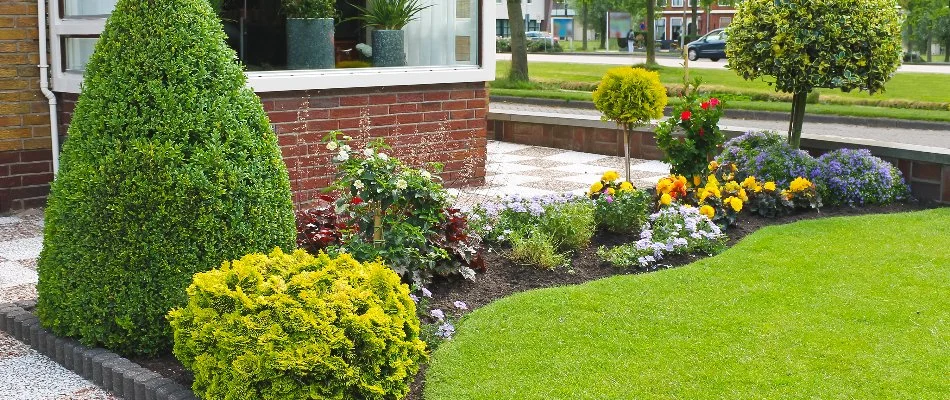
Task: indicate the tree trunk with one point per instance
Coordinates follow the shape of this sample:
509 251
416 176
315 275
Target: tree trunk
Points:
519 51
930 48
693 26
798 116
626 152
946 51
584 34
651 29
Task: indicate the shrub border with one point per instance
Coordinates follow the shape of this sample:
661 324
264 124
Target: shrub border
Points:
103 368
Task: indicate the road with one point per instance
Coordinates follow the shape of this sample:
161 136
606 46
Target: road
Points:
619 59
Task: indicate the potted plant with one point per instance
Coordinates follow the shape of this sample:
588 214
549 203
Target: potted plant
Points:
310 33
387 18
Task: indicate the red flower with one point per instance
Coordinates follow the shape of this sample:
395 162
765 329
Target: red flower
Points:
714 102
326 197
705 105
701 132
685 115
356 201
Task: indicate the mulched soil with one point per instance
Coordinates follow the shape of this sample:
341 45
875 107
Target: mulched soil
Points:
505 277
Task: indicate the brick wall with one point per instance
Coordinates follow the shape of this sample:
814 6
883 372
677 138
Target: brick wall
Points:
25 158
442 123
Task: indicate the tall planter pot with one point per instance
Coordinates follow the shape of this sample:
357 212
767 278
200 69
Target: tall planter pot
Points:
310 43
388 48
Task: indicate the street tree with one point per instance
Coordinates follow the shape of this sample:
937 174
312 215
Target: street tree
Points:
519 49
807 44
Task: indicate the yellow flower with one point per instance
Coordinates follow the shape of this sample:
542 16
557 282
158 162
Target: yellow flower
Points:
758 188
743 195
596 187
732 186
702 193
664 185
707 211
799 184
734 167
626 186
712 179
665 199
611 191
735 203
749 182
770 186
610 176
713 165
696 180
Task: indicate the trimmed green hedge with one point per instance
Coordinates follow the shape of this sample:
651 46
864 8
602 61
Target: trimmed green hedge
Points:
292 326
170 168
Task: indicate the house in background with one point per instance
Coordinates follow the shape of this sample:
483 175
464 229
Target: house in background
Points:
671 14
437 101
537 16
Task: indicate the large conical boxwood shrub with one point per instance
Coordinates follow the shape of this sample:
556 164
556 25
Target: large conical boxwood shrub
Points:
170 168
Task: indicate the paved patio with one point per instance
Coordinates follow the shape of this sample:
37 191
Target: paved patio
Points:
512 169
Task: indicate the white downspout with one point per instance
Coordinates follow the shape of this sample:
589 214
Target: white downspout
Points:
44 84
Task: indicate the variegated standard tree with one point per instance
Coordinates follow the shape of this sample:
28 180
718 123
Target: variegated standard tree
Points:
809 44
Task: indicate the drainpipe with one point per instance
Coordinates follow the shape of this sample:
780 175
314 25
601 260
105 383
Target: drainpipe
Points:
44 83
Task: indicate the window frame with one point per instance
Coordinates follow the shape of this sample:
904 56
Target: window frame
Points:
291 80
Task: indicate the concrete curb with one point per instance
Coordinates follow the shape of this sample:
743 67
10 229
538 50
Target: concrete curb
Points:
756 115
104 368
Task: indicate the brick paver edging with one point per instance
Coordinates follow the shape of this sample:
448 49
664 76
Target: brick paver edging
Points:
104 368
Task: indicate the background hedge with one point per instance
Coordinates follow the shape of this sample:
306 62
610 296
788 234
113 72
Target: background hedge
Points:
170 168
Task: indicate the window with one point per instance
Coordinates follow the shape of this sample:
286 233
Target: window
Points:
724 21
87 8
502 28
659 33
445 44
677 3
676 28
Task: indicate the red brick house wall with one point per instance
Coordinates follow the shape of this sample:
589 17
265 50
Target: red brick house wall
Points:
442 123
25 159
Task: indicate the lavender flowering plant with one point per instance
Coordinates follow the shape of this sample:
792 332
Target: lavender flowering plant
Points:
766 156
676 229
855 177
495 221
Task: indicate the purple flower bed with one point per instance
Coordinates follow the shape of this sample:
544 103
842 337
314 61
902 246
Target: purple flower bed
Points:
767 156
855 177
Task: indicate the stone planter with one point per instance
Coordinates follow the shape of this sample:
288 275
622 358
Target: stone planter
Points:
388 48
310 43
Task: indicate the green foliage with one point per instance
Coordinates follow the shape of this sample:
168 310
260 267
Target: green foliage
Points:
691 135
537 248
502 45
630 96
570 225
294 326
543 46
767 156
807 44
389 14
626 212
309 8
171 167
399 212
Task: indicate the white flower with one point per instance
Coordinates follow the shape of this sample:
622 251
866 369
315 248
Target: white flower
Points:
460 305
343 156
367 152
446 331
426 293
467 273
332 146
415 299
425 174
382 156
401 184
358 184
345 148
437 314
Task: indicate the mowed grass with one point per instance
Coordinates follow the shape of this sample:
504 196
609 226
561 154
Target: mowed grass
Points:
838 308
908 86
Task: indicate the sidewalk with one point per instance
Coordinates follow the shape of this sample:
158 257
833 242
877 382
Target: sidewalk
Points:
512 169
917 137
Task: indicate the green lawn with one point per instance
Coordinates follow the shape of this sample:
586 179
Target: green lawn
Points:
841 308
902 90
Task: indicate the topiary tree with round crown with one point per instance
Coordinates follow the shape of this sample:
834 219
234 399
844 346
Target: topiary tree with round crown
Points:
170 168
808 44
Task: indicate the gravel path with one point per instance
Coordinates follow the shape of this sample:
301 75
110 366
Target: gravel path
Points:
24 373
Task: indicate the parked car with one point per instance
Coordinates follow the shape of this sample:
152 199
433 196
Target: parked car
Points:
711 45
538 35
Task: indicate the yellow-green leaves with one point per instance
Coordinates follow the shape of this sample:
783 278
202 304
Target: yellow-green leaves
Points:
297 326
807 44
630 96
